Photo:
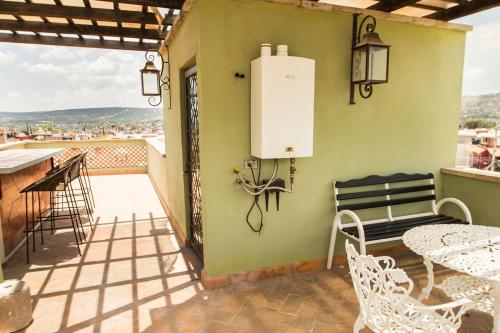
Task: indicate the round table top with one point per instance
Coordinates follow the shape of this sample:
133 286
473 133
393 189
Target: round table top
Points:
471 249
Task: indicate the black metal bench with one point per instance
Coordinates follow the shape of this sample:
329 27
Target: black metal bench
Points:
387 191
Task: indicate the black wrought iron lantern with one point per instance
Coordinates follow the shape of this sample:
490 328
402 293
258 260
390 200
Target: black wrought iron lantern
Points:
153 80
150 80
370 58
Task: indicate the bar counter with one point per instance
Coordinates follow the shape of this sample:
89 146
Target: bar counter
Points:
18 169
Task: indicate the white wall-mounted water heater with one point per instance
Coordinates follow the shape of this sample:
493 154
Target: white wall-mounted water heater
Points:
282 106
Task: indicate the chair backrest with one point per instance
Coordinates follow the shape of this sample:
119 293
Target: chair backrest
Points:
54 182
74 166
380 288
379 191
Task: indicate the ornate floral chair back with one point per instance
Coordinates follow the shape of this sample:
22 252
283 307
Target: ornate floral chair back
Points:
383 293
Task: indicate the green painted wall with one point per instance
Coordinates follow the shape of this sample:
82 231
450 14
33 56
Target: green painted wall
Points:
407 125
480 196
184 52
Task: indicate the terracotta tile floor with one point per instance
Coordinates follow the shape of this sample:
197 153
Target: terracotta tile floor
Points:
133 277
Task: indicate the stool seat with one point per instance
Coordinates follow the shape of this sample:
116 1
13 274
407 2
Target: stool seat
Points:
15 306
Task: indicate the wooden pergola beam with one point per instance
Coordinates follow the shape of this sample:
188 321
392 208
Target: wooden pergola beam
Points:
175 4
391 5
68 12
76 42
464 9
59 28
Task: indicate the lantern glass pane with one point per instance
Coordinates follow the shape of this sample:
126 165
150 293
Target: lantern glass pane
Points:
150 84
378 63
359 65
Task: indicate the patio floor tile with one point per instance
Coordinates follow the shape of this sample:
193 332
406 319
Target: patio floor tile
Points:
133 277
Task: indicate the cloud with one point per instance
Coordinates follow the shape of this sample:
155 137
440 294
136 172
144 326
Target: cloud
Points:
51 77
13 94
482 69
7 57
44 68
62 54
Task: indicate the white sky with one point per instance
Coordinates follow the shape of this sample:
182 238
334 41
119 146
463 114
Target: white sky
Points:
482 53
36 78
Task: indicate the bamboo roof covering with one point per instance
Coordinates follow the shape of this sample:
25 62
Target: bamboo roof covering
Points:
144 24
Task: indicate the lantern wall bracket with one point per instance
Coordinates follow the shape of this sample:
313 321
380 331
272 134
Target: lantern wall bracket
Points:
369 23
151 55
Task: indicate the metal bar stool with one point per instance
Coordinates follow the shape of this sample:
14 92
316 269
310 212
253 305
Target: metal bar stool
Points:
82 193
57 182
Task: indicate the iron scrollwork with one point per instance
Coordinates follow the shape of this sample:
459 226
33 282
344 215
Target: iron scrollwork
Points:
151 55
366 26
370 23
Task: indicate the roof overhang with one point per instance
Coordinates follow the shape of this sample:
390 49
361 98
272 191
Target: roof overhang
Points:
145 24
113 24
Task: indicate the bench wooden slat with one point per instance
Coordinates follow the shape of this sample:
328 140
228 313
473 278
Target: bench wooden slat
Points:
393 229
385 203
377 180
380 193
389 225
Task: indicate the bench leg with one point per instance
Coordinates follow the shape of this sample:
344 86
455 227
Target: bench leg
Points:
426 292
333 236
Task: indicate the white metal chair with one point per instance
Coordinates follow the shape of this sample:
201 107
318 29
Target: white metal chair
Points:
386 306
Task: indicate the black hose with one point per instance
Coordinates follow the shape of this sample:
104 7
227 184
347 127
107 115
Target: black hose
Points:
255 204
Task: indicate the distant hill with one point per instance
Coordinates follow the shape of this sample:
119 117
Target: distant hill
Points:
89 116
482 106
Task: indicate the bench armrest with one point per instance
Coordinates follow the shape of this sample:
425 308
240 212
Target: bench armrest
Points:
460 204
355 218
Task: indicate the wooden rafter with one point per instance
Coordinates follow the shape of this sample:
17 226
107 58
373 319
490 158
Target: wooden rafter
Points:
464 9
59 28
391 5
65 41
175 4
18 8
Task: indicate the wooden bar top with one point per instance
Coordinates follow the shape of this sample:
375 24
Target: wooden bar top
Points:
13 160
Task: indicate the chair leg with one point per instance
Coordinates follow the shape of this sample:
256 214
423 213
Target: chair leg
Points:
72 215
88 184
52 211
76 210
26 229
40 215
358 325
87 203
331 249
86 187
33 221
73 224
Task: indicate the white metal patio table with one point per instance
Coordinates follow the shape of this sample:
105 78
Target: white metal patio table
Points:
470 249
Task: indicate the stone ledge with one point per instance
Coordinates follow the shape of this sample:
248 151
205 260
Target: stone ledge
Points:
158 145
489 176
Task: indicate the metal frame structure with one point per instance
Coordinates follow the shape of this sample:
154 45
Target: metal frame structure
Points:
193 162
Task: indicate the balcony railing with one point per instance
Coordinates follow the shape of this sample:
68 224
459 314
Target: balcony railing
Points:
106 156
